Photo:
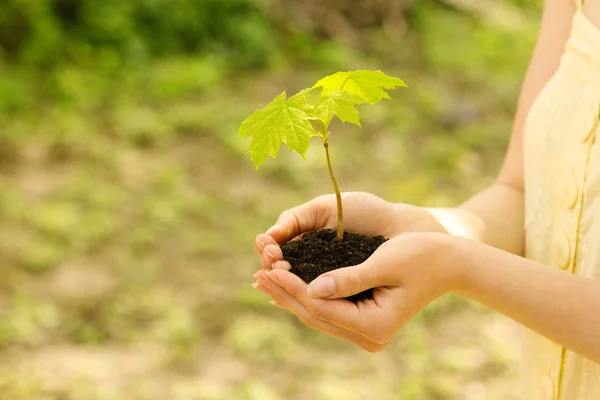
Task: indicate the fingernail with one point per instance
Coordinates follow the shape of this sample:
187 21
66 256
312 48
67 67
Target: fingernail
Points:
273 302
322 287
260 278
281 265
262 245
261 288
267 251
272 276
256 275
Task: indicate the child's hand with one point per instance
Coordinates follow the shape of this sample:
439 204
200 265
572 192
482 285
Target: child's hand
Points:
408 272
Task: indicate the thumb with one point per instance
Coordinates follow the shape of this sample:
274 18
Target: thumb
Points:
348 281
310 216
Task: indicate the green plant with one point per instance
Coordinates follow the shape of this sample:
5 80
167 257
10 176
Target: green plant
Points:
290 120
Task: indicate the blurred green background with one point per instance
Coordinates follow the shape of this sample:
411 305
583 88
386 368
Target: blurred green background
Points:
128 206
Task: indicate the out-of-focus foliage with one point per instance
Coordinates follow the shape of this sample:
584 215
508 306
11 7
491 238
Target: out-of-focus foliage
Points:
48 32
128 209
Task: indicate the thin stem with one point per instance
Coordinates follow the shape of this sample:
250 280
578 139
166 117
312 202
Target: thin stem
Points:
338 196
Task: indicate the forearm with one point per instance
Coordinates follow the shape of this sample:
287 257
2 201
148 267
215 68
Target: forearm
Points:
494 216
560 306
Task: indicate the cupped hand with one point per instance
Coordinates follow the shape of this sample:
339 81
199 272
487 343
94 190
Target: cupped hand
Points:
364 213
407 273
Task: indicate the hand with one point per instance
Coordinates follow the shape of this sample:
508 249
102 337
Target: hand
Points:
407 272
364 213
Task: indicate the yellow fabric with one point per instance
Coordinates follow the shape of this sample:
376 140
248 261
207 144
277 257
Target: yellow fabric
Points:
562 201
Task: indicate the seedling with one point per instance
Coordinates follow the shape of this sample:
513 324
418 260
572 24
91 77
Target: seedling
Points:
292 120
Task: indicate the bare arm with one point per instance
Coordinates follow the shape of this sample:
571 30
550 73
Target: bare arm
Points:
495 216
503 282
411 270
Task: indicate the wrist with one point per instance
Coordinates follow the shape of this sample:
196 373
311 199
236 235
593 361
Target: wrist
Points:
458 222
449 263
411 218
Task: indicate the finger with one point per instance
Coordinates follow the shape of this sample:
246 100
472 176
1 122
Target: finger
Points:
261 288
282 265
277 304
311 216
271 254
286 300
267 259
261 241
264 262
342 313
341 283
348 281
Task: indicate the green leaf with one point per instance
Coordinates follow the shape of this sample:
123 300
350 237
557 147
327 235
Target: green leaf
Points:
289 120
338 103
302 101
369 85
281 121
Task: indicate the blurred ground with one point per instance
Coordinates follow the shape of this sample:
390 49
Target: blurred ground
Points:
128 210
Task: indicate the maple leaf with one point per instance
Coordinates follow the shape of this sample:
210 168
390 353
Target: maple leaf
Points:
281 121
339 103
302 101
369 85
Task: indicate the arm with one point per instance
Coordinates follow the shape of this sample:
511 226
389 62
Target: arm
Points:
411 270
504 282
496 215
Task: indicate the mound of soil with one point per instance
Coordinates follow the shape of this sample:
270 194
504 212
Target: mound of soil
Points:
319 252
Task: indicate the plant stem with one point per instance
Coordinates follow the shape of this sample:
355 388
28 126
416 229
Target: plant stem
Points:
338 196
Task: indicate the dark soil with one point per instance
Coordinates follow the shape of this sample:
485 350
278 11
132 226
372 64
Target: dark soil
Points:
319 252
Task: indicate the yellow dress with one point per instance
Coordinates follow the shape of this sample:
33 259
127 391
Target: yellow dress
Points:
562 203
